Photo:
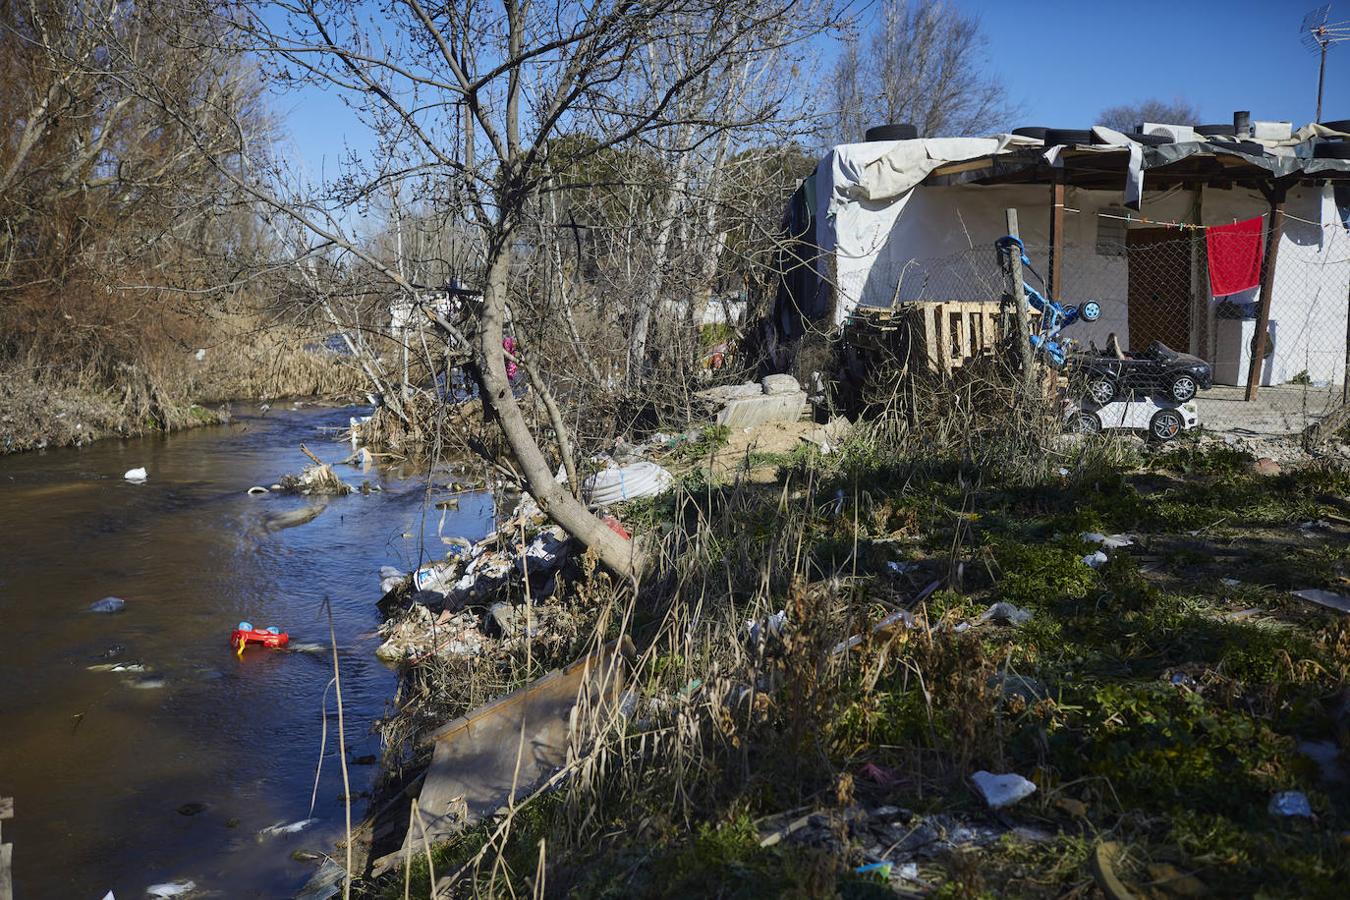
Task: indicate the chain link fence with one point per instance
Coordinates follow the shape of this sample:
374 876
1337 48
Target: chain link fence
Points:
1153 287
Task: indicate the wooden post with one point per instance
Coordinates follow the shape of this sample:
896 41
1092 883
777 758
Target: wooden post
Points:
1276 197
1023 313
1056 284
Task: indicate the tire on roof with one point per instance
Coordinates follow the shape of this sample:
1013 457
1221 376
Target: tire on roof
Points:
1332 150
1056 136
1148 140
901 131
1227 130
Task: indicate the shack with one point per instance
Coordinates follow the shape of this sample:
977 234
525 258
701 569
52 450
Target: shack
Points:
887 226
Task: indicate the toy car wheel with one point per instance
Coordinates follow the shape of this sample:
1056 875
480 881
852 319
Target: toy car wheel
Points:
1090 311
1183 388
1087 423
1165 424
1102 390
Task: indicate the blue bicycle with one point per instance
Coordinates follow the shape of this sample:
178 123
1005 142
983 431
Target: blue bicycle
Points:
1055 316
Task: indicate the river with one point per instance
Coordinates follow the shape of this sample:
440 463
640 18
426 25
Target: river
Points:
99 763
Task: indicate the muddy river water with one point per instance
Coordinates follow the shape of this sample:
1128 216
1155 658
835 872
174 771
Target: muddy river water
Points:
104 766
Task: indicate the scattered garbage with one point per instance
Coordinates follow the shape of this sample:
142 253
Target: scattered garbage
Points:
1095 560
1329 599
326 882
1229 582
284 828
390 578
999 791
294 517
421 633
620 483
771 629
1290 803
257 490
108 605
245 634
1109 541
546 553
901 568
1003 613
200 355
136 476
170 889
116 667
316 479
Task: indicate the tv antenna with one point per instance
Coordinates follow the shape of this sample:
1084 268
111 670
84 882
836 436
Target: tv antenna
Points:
1318 36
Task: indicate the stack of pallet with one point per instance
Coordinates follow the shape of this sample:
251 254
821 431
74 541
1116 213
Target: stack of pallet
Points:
936 337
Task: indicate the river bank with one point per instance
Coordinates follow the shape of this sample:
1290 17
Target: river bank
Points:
1109 632
172 767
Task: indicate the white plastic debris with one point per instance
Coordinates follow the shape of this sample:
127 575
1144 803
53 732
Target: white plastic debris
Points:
772 628
1328 599
284 828
901 568
108 605
999 791
1230 582
619 483
1290 803
171 889
200 354
257 491
136 476
1109 541
1096 559
390 578
1003 613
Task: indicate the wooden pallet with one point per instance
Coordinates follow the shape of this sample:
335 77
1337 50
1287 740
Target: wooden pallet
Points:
933 336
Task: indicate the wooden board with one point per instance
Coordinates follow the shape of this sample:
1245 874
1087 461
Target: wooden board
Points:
504 750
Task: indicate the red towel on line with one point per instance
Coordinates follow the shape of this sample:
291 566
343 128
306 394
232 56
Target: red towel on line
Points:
1235 256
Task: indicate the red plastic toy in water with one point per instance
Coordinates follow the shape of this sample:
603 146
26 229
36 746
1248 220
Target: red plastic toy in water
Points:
246 634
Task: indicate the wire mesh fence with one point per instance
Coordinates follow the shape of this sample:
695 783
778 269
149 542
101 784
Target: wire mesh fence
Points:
1171 301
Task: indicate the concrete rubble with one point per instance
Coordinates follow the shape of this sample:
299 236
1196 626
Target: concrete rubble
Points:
778 398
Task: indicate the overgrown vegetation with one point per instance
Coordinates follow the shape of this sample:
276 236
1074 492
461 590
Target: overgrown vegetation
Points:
1154 704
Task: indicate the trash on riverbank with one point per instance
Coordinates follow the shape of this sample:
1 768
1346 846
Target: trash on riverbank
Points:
1095 560
1003 613
294 517
1290 803
619 483
1109 541
170 889
257 490
316 479
421 633
108 605
285 828
136 476
1329 599
999 791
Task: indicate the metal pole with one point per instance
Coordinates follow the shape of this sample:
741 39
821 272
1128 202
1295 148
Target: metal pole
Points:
1267 284
1321 76
1055 287
1020 301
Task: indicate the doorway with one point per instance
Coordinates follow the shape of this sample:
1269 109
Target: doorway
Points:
1159 293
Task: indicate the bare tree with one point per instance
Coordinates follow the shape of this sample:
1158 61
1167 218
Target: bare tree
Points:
1129 116
473 99
922 64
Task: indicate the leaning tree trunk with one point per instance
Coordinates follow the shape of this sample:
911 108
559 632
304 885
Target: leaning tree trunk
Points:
615 553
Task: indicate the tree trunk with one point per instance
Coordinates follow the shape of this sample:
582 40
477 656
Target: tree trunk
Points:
617 554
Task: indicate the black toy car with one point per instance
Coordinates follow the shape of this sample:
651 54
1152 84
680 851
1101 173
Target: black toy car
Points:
1158 371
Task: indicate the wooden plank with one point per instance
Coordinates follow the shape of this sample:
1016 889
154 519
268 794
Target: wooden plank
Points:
500 752
1267 288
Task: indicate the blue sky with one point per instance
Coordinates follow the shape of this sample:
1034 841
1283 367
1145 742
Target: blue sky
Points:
1062 63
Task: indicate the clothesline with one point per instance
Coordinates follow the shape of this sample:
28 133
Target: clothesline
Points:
1191 227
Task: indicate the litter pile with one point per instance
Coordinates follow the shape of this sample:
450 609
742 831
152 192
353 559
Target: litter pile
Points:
316 479
457 605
